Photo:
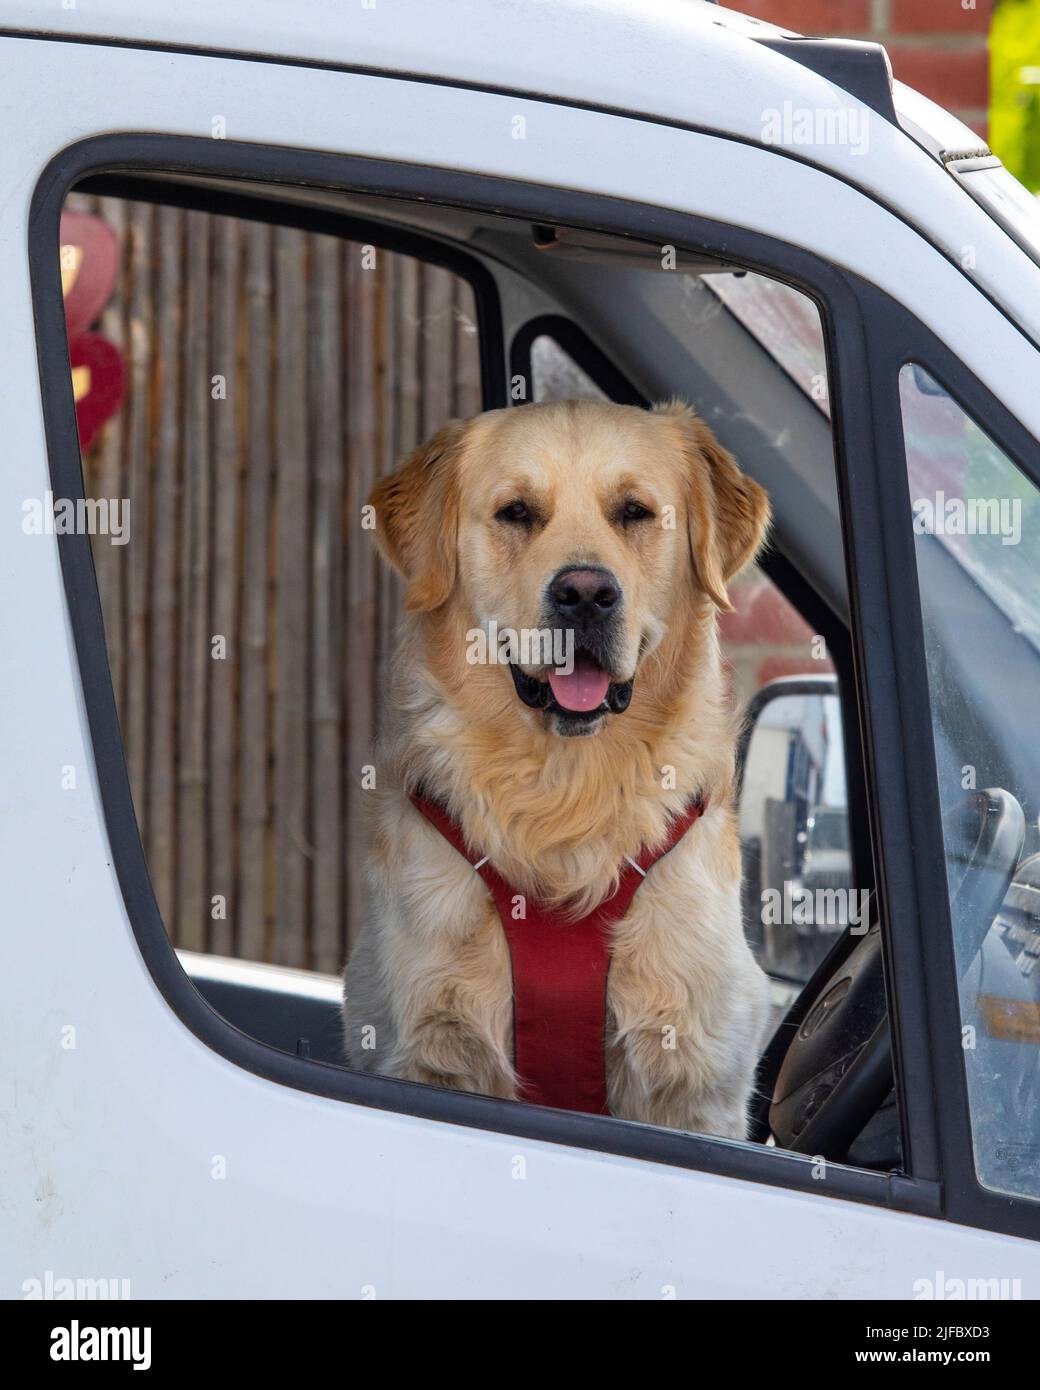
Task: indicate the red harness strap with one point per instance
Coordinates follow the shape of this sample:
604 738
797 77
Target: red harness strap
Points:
560 971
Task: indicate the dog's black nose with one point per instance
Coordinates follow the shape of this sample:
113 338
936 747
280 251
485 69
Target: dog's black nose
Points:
585 595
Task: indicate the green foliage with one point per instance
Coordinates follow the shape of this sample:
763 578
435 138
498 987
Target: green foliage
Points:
1014 129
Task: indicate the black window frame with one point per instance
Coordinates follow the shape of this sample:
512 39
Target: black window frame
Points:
896 339
385 236
854 316
577 344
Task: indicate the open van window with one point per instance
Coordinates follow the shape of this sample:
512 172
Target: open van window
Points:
249 768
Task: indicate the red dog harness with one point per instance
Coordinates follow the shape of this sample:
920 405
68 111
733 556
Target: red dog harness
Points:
560 970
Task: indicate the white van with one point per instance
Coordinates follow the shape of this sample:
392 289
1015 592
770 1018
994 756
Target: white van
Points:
641 200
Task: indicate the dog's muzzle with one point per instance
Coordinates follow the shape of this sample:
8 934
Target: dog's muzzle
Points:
583 604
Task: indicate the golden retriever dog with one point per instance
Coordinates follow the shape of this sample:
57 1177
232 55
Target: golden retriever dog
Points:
618 529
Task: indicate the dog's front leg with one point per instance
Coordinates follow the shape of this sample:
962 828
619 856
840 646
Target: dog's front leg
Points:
428 993
687 1004
446 1047
455 1022
453 1003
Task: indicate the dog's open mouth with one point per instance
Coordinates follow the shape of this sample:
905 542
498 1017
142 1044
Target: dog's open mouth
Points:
583 693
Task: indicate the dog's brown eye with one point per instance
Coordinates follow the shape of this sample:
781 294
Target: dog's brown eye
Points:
635 511
515 512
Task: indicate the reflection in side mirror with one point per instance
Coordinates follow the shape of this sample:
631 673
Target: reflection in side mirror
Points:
794 826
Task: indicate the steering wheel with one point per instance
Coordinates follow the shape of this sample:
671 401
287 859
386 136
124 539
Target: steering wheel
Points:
828 1067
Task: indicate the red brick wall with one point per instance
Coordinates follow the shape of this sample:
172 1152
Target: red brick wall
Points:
937 46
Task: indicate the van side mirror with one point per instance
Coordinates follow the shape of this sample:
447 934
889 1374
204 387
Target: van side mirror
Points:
793 816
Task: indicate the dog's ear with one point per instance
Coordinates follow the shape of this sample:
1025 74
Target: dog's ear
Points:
728 511
417 518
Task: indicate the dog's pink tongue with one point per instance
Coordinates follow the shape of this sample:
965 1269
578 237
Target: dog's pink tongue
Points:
584 688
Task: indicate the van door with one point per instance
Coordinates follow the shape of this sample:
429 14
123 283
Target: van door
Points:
145 1138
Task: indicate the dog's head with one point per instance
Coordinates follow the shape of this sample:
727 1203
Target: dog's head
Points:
575 536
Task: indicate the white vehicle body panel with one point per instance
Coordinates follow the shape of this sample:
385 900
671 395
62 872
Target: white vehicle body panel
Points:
107 1149
683 61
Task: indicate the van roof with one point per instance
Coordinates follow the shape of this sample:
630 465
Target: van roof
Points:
687 62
